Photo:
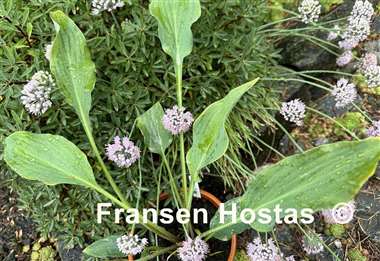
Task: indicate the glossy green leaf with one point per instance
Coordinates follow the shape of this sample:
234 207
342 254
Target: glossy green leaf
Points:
318 179
175 18
72 66
236 228
156 137
103 248
210 140
51 159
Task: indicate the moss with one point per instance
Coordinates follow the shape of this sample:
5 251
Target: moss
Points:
356 255
353 121
335 230
360 82
277 5
318 127
329 4
43 254
241 256
25 248
36 246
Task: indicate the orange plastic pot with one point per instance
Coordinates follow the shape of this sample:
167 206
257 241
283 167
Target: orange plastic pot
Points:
215 202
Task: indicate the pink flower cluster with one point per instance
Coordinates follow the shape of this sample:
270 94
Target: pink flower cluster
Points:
123 152
131 244
176 120
193 250
258 251
374 130
312 243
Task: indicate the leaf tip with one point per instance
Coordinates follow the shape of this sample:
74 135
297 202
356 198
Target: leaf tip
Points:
58 17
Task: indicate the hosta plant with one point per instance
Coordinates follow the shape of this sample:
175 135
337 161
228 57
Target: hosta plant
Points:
317 179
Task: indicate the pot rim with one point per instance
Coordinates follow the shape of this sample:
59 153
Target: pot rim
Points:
215 202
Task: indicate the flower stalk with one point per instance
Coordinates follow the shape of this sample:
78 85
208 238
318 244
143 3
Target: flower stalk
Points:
178 74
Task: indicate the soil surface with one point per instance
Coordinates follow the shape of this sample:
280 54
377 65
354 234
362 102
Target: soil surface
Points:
16 230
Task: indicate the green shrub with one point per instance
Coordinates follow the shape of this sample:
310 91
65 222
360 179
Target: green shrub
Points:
131 76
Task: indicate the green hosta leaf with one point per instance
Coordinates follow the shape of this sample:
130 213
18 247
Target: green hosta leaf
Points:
210 140
51 159
72 66
175 18
317 179
104 248
236 228
156 137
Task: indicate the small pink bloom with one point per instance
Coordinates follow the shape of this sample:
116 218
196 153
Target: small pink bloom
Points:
123 152
176 120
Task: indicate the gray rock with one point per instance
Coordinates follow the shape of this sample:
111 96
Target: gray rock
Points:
73 254
368 212
287 147
288 88
321 141
304 55
327 106
375 27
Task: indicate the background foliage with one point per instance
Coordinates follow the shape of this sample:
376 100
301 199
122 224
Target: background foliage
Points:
132 73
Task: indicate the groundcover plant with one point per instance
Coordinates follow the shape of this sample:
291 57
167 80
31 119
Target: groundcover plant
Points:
323 180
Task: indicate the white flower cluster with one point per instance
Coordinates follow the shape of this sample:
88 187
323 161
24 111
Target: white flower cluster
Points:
309 11
99 6
348 44
366 61
131 245
36 93
334 33
193 250
293 111
372 75
359 24
368 66
311 243
344 59
374 130
344 93
258 251
357 30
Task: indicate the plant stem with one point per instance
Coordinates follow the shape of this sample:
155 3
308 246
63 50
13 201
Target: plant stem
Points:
158 253
209 233
158 199
138 197
178 74
122 202
321 241
277 22
176 196
353 135
149 225
190 195
101 162
173 186
299 148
